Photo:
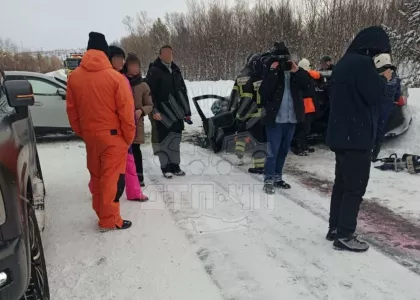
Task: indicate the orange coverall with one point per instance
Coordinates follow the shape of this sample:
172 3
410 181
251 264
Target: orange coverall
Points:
100 109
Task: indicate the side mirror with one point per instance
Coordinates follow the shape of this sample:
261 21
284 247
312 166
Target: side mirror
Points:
61 93
19 93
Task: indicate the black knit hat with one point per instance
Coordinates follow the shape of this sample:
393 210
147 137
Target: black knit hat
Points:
114 50
97 41
326 59
280 49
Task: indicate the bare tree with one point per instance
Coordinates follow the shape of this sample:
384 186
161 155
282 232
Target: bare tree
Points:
212 40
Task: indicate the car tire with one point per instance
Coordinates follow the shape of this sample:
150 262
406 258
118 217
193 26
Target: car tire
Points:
38 287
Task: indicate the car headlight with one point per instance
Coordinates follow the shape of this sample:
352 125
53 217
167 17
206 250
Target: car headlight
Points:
2 210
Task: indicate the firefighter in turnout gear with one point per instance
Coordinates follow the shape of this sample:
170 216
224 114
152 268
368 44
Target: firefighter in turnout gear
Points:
250 132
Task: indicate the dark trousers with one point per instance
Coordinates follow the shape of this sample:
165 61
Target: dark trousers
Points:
169 147
352 170
138 160
279 138
303 130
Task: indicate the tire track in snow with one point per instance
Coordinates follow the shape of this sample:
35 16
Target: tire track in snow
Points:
265 228
390 233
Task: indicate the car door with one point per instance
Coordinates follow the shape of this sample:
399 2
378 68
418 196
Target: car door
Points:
49 110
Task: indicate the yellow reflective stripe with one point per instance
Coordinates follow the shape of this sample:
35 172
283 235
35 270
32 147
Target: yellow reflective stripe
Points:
259 160
241 90
238 143
247 95
258 98
254 115
235 88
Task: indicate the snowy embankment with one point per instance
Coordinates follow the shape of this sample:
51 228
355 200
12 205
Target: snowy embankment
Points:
213 234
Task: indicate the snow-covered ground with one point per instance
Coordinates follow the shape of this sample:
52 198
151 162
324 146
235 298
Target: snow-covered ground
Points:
214 235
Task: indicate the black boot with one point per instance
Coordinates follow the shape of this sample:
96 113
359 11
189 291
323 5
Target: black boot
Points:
256 170
269 188
176 170
281 184
125 225
332 234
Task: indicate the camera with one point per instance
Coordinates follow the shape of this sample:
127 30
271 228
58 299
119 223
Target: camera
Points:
278 54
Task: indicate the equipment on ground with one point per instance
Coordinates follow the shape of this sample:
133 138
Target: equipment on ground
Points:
410 162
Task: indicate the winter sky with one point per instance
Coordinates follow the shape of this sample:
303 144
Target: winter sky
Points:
65 24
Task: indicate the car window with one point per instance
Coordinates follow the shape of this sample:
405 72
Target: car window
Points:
43 87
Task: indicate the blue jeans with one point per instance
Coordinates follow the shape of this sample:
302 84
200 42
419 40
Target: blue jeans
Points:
279 139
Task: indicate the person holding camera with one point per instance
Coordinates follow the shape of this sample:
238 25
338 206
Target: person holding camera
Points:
281 94
357 90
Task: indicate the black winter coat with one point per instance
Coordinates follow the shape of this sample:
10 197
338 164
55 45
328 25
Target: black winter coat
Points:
356 92
169 93
272 90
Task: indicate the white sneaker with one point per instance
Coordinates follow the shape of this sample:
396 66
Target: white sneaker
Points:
167 175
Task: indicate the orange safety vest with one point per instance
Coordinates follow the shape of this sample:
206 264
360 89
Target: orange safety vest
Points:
308 102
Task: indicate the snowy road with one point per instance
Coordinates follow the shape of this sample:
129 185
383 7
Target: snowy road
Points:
210 235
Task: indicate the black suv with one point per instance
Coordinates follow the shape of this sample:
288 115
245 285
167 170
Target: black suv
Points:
23 273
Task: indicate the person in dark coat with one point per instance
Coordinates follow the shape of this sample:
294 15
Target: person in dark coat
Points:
356 91
392 95
171 108
281 94
326 64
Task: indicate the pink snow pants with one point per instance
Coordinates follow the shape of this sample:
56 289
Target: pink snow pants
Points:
133 189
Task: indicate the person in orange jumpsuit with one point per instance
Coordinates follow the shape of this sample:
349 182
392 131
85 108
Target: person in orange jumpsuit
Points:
100 110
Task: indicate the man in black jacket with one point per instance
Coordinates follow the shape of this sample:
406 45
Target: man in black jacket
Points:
356 91
171 108
281 93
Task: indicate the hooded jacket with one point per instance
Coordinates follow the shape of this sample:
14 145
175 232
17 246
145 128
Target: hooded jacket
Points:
356 91
99 98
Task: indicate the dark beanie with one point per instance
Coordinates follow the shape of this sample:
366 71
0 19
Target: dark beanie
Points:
280 49
326 59
97 41
114 50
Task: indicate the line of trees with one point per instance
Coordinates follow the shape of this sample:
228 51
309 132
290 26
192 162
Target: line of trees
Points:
12 59
211 40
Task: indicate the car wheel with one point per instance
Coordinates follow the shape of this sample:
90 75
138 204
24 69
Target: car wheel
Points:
38 287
